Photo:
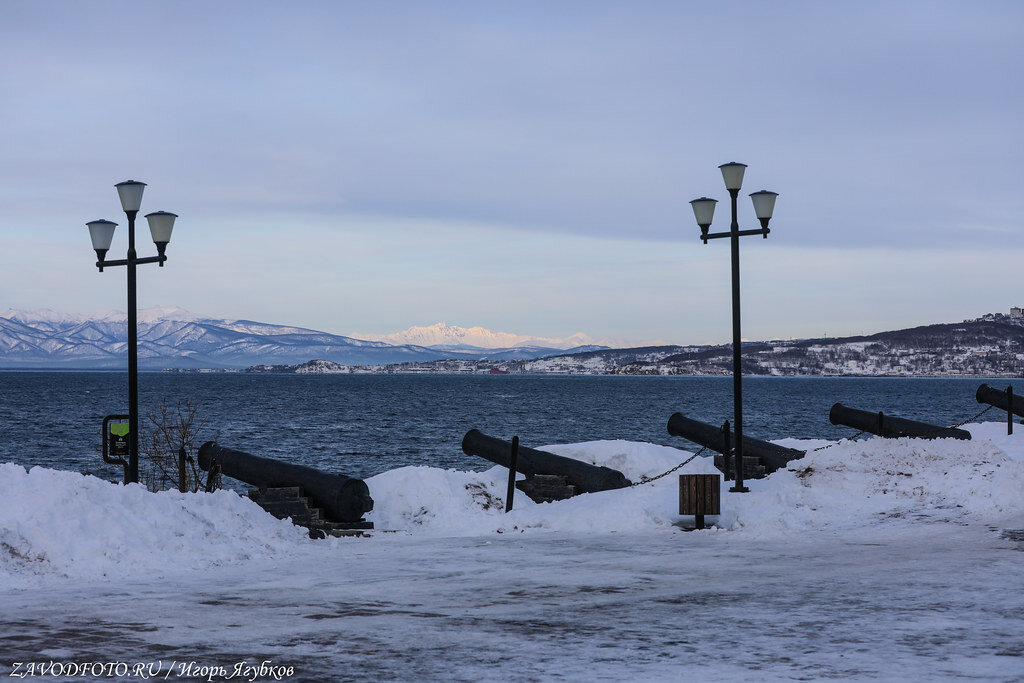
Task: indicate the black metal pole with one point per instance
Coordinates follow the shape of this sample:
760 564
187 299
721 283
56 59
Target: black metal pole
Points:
512 462
133 358
727 449
737 370
1009 410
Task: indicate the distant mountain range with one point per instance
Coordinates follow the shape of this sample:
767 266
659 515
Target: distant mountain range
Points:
443 335
172 338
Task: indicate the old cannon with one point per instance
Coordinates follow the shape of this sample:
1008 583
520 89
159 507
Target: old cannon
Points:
1005 400
771 456
891 427
585 477
344 499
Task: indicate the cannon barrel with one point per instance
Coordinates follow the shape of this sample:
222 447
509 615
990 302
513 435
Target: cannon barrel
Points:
891 427
345 499
585 477
772 456
1000 399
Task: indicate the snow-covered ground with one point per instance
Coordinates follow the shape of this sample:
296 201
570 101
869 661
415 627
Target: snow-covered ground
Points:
874 559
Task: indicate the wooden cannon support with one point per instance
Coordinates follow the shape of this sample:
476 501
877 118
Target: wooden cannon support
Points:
544 470
759 457
295 491
891 427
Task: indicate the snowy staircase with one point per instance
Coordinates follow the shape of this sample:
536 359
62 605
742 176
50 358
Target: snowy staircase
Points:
545 488
288 502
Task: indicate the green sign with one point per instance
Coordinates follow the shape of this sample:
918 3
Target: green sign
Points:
119 439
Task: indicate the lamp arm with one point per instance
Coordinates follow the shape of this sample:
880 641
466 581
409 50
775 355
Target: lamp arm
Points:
741 233
124 262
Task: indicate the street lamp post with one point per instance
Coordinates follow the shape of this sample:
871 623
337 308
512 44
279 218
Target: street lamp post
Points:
161 223
704 211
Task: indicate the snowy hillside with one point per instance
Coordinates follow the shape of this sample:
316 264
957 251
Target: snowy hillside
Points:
171 337
987 347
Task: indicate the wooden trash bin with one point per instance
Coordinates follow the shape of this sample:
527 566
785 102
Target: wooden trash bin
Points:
699 495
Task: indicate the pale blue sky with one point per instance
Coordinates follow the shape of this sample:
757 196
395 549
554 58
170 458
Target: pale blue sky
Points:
525 166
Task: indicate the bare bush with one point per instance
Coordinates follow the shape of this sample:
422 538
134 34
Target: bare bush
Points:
166 432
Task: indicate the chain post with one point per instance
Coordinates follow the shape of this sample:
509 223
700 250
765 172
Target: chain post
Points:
1009 410
512 462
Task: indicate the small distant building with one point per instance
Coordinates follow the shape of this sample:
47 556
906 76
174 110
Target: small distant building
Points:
1017 313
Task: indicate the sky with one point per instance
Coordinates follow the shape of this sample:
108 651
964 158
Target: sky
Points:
522 166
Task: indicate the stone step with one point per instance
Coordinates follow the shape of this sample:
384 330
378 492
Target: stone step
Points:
279 493
549 480
338 529
340 526
752 467
288 503
546 488
341 533
291 508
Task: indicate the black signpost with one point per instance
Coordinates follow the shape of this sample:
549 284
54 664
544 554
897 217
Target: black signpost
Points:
116 447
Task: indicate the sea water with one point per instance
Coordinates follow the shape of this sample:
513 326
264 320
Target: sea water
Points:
361 425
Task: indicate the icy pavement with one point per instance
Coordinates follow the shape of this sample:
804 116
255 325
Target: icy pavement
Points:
942 602
883 559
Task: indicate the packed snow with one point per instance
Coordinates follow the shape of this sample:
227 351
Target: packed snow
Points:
876 558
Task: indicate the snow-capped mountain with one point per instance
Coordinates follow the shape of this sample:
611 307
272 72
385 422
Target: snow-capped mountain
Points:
57 318
452 336
171 337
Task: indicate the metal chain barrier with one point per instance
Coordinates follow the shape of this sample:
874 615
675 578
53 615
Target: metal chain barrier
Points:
830 445
648 480
958 424
972 419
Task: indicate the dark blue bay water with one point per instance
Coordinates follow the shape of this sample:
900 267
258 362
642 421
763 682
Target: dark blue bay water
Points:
361 425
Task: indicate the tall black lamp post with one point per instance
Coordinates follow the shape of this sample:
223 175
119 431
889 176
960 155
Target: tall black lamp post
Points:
161 223
704 210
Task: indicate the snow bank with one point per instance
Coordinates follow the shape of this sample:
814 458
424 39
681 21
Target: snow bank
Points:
856 483
425 500
843 485
67 524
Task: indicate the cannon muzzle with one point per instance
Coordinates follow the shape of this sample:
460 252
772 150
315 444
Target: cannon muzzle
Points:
891 427
585 477
1001 399
345 499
